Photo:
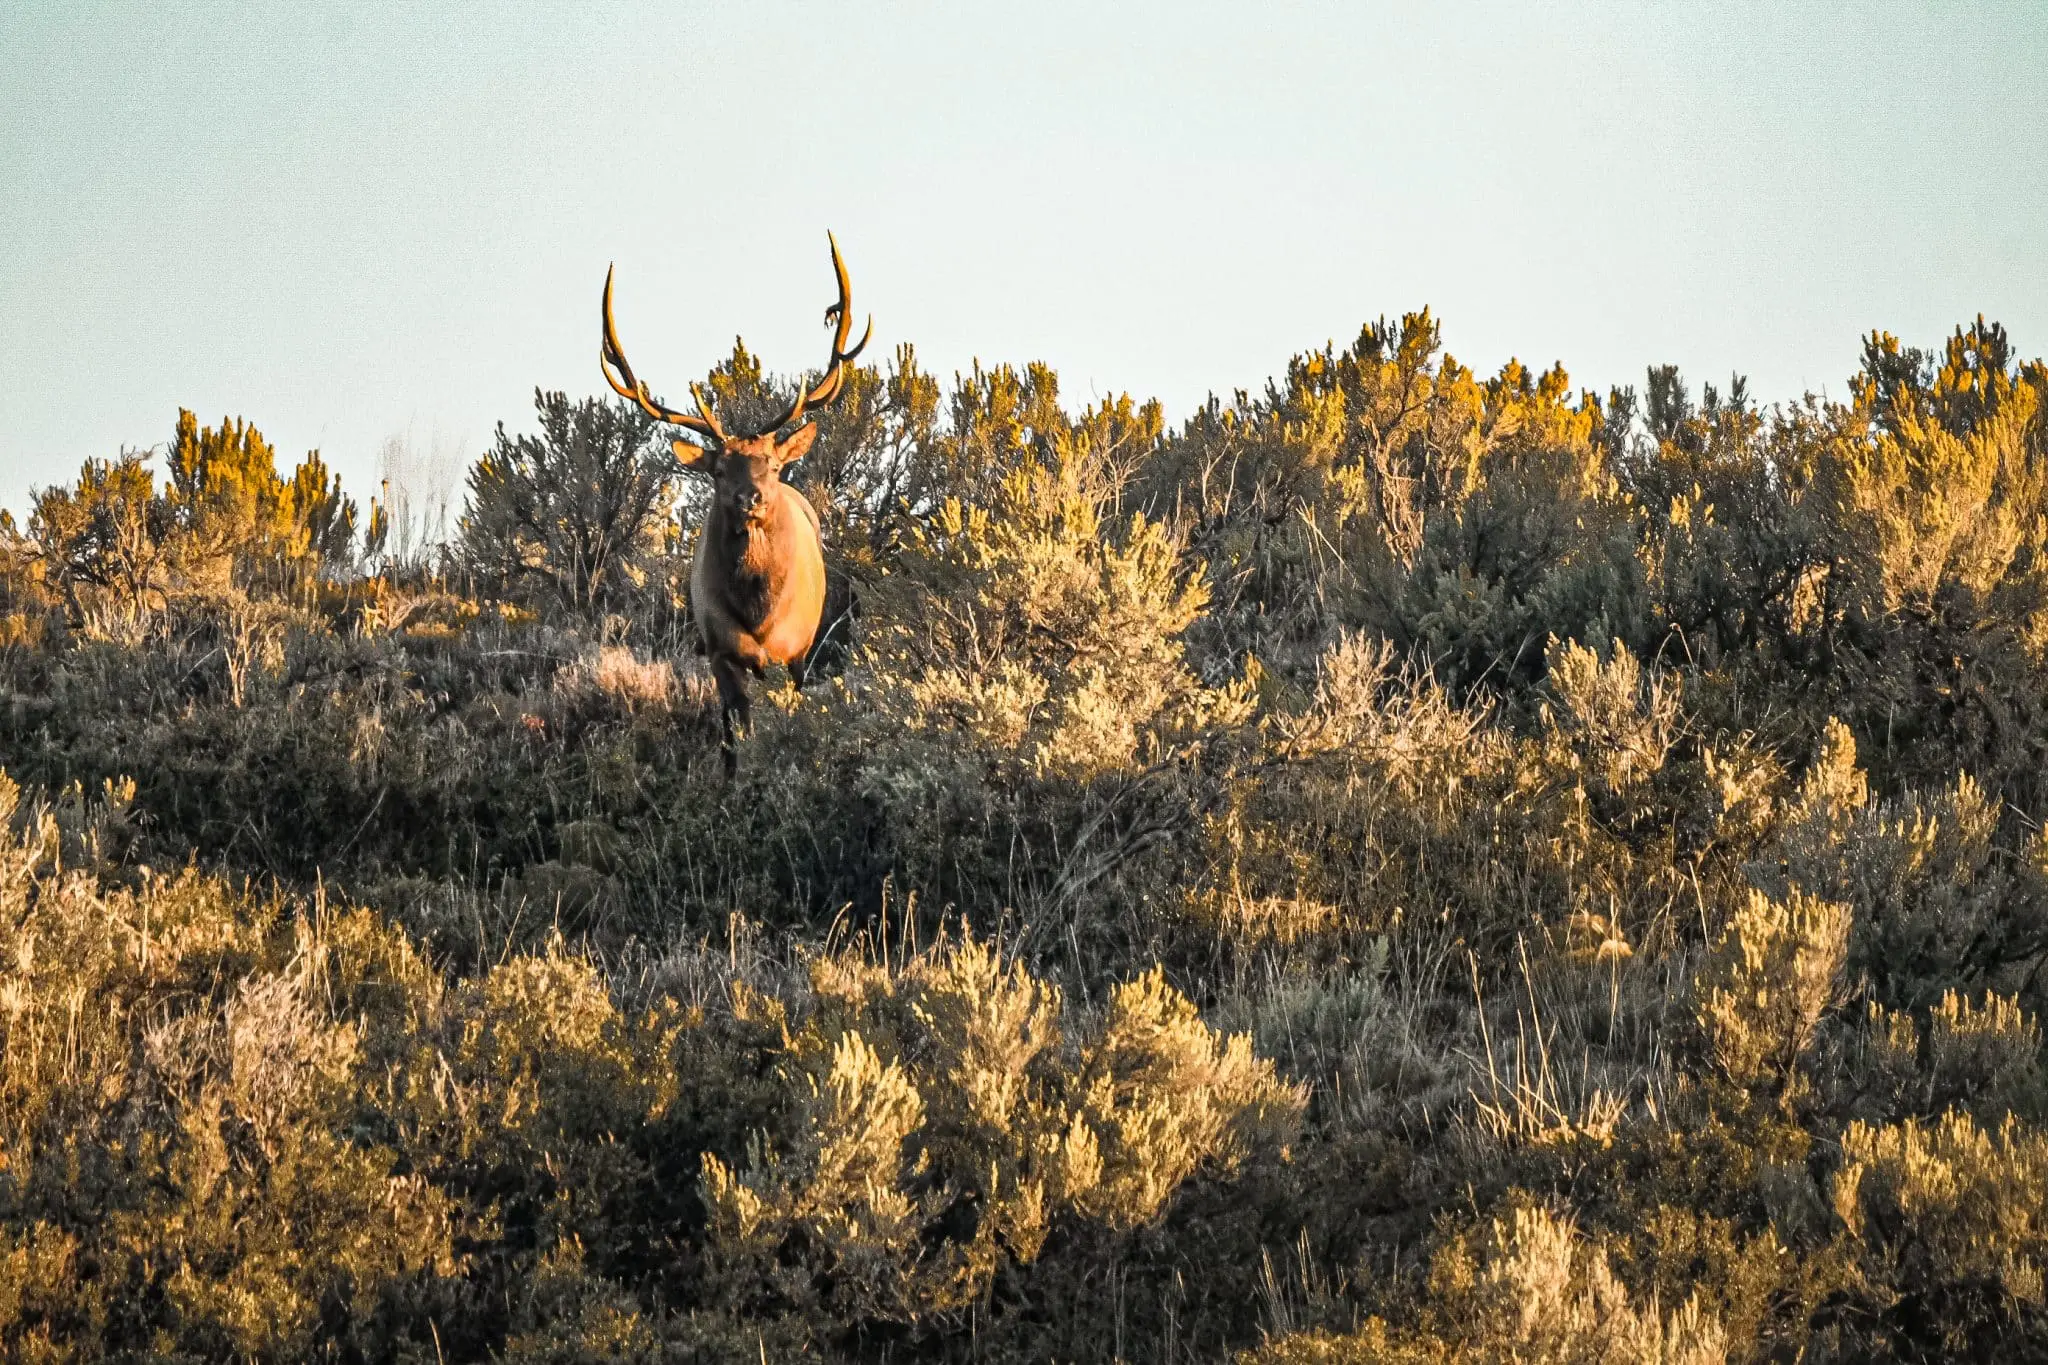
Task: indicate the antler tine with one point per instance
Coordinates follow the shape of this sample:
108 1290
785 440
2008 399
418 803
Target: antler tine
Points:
716 431
611 355
827 388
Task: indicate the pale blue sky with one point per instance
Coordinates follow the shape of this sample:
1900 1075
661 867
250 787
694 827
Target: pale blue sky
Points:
352 221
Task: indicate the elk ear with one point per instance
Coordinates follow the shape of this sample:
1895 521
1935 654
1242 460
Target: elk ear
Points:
695 458
797 445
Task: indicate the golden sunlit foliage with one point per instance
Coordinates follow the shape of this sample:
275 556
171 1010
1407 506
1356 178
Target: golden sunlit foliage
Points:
1405 865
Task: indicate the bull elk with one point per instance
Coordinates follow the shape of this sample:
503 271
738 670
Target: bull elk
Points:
757 584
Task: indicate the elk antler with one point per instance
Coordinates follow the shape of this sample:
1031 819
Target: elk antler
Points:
828 387
610 355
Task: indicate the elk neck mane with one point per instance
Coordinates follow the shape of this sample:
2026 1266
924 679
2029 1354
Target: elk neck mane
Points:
749 563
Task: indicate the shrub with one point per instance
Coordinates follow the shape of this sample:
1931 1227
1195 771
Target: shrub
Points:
178 1093
571 517
1773 975
1525 1289
1944 1223
945 1122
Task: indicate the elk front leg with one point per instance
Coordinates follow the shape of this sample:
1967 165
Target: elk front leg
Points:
732 701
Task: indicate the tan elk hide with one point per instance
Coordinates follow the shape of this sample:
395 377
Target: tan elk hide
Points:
757 585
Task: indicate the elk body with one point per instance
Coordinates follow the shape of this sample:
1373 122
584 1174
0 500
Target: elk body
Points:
757 584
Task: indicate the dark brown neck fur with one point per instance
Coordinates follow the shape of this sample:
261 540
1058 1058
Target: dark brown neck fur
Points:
746 564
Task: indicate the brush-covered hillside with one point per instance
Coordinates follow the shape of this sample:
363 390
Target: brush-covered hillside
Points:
1400 865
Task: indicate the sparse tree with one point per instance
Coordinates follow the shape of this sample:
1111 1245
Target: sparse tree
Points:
106 540
572 513
239 521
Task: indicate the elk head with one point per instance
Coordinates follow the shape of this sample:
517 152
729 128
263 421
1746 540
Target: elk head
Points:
745 471
757 585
